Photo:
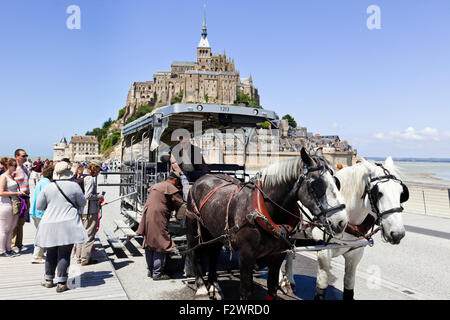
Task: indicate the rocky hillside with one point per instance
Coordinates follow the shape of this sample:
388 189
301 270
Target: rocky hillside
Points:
109 136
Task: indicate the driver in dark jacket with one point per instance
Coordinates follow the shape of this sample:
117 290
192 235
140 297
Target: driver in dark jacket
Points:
163 198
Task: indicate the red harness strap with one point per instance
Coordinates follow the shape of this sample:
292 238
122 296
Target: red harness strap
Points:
211 194
259 206
362 229
266 222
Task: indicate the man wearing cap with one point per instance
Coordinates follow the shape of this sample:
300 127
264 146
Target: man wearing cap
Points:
163 198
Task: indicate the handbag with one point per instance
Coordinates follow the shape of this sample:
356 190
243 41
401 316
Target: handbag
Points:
16 205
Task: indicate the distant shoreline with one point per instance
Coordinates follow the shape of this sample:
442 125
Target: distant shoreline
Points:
443 160
428 171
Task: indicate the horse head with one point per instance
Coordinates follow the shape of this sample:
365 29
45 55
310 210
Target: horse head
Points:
318 190
384 196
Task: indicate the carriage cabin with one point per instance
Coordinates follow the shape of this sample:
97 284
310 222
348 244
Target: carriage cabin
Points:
147 142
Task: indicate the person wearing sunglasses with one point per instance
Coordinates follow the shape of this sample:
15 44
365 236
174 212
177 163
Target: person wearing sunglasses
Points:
22 177
8 221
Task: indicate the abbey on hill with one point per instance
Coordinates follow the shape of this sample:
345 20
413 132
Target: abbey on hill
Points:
211 79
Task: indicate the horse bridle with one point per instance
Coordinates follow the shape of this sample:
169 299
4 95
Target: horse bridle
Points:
322 216
372 193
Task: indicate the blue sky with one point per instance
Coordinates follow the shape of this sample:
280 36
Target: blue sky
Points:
386 91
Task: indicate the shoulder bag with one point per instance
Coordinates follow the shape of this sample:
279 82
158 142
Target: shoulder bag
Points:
65 196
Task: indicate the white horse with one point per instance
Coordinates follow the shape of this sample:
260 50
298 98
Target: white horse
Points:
373 195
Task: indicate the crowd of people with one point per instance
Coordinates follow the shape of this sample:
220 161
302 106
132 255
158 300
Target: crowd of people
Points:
64 207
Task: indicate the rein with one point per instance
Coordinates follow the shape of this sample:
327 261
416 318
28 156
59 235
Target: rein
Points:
255 214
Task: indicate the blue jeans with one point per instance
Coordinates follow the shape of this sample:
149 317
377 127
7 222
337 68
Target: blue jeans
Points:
58 258
155 262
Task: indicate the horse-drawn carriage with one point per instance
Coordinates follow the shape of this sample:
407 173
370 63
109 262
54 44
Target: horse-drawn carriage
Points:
145 154
262 217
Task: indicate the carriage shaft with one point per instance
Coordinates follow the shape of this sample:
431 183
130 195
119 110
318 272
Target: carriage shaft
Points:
351 245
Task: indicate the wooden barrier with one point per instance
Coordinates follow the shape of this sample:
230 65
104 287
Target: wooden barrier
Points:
428 199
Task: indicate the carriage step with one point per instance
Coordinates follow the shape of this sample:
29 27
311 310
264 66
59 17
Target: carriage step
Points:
179 239
132 215
113 240
124 228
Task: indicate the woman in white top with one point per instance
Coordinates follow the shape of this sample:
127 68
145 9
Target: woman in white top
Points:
8 189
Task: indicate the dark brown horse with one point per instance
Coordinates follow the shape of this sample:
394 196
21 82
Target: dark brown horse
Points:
220 209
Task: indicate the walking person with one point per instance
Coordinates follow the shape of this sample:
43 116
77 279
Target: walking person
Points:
8 220
89 217
36 170
60 227
162 199
22 177
35 214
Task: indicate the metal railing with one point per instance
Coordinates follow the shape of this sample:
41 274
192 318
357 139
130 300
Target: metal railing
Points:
428 199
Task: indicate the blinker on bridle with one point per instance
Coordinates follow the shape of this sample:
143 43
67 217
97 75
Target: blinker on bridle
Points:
305 176
372 193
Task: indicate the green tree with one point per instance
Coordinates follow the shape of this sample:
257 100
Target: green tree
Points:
178 98
290 120
265 125
140 111
121 113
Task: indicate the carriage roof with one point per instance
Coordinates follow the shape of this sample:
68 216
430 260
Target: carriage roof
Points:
213 116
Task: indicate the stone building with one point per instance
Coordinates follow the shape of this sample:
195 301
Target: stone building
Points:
212 78
80 148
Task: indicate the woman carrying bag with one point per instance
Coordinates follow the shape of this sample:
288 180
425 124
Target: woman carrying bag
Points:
60 227
10 206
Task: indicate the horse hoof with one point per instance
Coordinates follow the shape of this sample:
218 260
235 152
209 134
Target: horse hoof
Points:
320 294
215 293
202 293
348 294
289 289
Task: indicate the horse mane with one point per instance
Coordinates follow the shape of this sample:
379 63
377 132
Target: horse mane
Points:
281 172
353 183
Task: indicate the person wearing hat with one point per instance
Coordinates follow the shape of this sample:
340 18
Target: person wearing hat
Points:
89 215
163 198
60 227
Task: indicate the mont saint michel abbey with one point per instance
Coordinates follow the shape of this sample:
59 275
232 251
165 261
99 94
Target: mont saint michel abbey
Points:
212 78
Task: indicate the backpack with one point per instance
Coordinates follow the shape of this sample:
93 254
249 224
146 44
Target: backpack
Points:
80 181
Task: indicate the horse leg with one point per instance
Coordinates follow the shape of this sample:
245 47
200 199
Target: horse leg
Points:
287 280
196 259
214 290
324 263
247 261
272 279
352 259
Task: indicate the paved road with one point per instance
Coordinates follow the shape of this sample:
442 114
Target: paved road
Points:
415 269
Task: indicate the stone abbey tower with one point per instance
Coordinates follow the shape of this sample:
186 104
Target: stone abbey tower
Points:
212 78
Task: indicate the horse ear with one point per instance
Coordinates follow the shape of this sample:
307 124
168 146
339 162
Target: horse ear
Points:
389 162
319 152
306 158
